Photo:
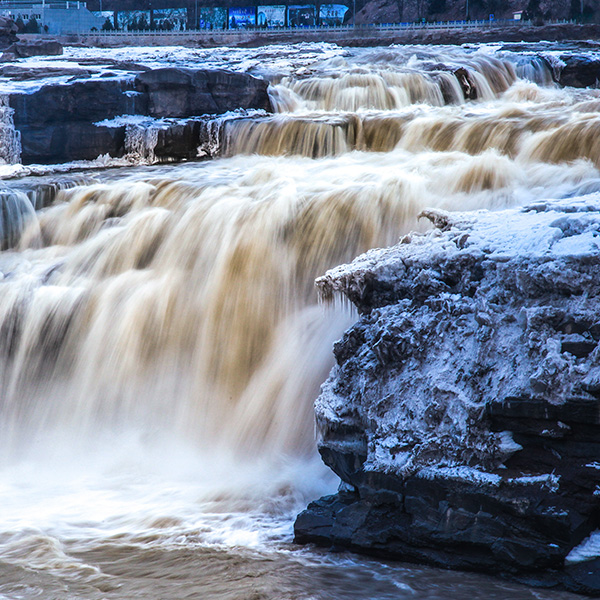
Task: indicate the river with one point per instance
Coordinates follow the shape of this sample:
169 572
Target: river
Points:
162 342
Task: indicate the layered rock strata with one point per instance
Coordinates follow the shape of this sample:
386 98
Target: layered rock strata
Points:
463 415
62 122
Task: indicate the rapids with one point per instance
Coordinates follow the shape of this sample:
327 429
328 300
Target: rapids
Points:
162 342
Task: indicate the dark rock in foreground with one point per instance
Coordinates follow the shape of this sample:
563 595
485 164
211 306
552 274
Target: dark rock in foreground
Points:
463 415
61 123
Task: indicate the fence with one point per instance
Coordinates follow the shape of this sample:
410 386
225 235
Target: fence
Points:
53 4
442 25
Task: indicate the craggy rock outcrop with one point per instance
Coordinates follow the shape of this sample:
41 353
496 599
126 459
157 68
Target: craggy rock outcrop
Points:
58 122
463 415
8 32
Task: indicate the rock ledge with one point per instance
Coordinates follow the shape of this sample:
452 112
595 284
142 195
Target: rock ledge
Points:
62 122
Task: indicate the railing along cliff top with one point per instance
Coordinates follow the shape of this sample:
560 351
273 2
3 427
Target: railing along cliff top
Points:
36 4
349 28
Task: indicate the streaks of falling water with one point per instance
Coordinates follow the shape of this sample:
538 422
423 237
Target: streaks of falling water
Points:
188 294
195 290
16 212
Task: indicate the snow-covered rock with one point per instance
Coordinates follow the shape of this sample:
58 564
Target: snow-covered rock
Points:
463 414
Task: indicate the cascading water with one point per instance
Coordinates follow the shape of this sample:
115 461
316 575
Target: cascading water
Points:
163 343
16 213
140 141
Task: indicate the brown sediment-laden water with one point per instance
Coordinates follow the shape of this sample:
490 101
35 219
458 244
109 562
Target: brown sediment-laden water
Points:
162 342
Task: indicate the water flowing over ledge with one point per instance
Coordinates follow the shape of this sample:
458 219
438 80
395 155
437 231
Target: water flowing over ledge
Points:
463 413
51 114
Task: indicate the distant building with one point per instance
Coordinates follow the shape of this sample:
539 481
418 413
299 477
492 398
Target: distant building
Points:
518 16
53 17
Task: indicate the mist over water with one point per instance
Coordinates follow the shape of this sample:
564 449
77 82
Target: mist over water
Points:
162 342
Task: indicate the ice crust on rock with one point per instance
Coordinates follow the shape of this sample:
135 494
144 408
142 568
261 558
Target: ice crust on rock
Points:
465 314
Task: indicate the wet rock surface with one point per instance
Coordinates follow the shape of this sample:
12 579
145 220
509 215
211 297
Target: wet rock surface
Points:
20 73
61 122
463 415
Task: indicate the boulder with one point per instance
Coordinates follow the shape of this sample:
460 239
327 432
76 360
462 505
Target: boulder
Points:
67 141
25 49
178 92
88 101
180 141
463 414
8 32
57 122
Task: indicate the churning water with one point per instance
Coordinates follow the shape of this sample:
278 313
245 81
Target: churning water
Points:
162 343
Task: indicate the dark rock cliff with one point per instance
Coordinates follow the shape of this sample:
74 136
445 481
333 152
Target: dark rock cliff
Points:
463 415
58 122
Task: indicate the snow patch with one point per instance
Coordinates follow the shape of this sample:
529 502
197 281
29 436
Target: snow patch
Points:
587 550
461 473
507 444
548 480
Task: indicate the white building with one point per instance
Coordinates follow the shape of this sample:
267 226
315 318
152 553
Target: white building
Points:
53 17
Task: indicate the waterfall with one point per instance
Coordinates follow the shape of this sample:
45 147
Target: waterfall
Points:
388 88
171 290
161 338
547 136
182 301
140 141
16 214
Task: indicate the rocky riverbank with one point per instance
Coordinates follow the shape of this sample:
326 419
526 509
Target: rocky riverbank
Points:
463 415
